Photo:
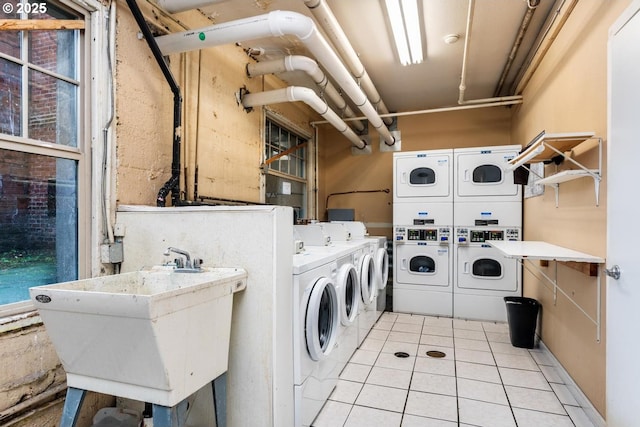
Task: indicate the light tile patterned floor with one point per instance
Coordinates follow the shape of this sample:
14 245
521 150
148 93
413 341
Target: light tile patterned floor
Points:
483 381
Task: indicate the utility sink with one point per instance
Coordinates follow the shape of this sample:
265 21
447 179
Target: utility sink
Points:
155 335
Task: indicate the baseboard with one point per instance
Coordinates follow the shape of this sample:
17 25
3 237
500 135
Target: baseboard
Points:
586 405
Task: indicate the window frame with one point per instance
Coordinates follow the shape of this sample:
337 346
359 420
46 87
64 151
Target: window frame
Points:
90 69
309 160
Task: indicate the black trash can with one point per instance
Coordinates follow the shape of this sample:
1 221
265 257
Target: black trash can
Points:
522 315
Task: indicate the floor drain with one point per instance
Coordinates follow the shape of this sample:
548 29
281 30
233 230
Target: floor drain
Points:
435 353
401 354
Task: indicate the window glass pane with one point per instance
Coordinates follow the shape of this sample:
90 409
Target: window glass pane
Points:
10 41
54 51
276 196
10 98
39 222
52 110
284 139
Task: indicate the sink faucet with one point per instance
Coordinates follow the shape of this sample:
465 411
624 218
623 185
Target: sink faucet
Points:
179 263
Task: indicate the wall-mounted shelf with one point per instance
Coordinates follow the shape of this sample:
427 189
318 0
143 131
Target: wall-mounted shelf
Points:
546 146
535 250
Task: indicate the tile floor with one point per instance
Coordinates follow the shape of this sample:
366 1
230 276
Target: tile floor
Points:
482 381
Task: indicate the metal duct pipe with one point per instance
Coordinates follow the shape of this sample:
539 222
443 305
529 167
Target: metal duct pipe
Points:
332 28
277 24
309 66
309 97
175 6
524 26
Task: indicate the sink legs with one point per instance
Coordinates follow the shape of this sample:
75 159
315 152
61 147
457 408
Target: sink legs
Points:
163 416
72 405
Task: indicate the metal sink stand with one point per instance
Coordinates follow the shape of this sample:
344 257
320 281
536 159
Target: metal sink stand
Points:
163 416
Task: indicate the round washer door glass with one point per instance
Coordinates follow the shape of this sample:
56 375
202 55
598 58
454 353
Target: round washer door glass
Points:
367 279
321 325
348 286
382 262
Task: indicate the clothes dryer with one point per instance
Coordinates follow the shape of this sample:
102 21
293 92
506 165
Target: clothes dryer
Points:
316 326
483 275
423 174
422 270
481 173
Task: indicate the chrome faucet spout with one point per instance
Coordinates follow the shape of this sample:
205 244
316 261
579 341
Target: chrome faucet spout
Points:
181 252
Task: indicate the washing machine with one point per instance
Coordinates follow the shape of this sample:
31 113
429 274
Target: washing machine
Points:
348 255
422 270
316 327
423 174
481 173
483 275
366 270
378 250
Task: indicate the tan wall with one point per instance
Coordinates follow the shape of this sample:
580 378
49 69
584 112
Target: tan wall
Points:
568 93
340 171
220 138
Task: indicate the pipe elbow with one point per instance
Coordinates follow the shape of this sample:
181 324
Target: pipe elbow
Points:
283 23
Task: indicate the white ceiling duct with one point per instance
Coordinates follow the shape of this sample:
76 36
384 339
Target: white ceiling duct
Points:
277 24
309 66
332 28
309 97
175 6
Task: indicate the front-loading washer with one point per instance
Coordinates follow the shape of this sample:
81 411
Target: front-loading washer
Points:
482 173
423 174
316 326
422 270
378 250
483 275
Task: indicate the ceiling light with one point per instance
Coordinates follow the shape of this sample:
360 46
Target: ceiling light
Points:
451 38
405 25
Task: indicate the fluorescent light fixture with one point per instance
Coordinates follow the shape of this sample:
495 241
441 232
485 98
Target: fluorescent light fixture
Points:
405 25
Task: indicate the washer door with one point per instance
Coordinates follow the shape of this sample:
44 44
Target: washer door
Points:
367 279
348 286
382 262
321 324
424 265
485 268
423 174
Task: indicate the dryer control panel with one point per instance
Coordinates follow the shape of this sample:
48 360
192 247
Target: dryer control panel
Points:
440 235
470 235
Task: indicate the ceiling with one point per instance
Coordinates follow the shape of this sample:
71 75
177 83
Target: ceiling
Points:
431 84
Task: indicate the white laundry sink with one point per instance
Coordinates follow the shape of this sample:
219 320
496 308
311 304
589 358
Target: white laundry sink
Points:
155 335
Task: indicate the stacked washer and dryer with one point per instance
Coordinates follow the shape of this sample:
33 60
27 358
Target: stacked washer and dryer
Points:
447 205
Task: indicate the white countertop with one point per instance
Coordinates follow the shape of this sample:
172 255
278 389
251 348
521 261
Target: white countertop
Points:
543 251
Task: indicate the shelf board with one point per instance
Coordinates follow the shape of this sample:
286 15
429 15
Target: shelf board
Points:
542 251
567 175
540 149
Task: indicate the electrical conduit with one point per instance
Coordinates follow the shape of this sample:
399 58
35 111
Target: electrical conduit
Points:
309 97
309 66
278 24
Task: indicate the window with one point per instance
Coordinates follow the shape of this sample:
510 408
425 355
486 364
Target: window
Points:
286 159
41 155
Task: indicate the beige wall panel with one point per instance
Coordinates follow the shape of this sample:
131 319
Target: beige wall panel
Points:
568 93
144 118
229 139
341 171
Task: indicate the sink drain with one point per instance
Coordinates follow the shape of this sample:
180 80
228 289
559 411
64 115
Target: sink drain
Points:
401 354
436 353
